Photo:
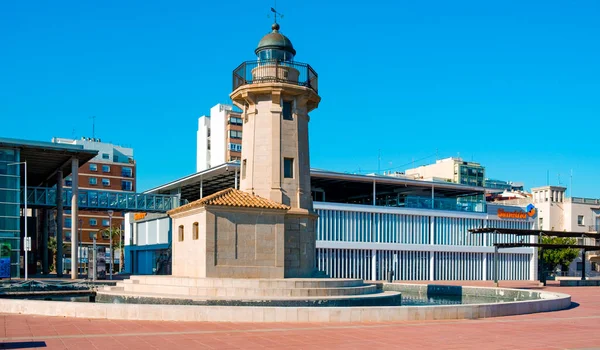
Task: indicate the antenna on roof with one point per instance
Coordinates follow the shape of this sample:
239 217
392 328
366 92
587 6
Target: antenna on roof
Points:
93 126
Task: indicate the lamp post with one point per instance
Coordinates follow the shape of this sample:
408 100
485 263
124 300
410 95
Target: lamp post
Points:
79 255
24 214
110 214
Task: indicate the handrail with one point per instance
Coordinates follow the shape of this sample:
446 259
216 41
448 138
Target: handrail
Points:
296 73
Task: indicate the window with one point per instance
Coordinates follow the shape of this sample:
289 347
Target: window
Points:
236 147
93 167
287 110
195 231
67 222
68 181
541 224
93 181
244 169
288 168
126 172
105 156
105 234
235 134
234 121
105 182
580 220
180 233
106 168
67 235
116 159
579 266
105 222
126 185
93 235
93 222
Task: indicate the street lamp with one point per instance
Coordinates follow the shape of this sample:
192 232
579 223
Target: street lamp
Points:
79 263
110 214
25 247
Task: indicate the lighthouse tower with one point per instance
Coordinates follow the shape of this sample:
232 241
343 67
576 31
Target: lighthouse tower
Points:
275 94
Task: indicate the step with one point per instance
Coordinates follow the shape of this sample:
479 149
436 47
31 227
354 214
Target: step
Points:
249 292
378 299
248 283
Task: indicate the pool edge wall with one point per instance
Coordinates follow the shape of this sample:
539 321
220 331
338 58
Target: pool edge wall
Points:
544 302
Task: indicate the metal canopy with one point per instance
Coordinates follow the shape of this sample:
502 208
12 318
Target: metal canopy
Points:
521 232
546 246
44 159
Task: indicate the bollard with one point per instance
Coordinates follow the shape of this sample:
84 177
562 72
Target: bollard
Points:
390 276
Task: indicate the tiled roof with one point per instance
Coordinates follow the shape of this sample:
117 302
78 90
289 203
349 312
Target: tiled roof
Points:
232 198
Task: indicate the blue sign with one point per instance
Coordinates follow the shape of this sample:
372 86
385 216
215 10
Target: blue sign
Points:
4 267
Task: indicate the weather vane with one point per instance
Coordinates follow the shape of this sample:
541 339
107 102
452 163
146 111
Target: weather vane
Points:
275 13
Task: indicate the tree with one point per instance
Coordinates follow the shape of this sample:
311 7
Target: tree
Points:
116 243
53 248
552 258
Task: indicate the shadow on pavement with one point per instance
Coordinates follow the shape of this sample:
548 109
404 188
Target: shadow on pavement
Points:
23 345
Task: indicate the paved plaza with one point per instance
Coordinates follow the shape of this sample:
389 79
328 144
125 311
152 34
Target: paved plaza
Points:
575 328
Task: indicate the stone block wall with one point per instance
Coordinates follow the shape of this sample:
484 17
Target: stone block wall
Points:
300 246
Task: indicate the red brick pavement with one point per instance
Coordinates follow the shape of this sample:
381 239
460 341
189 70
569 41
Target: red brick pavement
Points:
575 328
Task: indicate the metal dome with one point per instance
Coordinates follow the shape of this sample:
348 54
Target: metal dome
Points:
275 40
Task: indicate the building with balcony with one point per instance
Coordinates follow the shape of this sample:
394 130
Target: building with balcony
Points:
113 170
453 170
219 137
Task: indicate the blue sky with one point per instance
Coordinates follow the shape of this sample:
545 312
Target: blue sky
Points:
511 84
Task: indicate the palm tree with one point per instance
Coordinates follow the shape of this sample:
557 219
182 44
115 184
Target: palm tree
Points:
116 243
53 247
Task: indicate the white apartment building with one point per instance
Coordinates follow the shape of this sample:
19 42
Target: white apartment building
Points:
219 137
451 170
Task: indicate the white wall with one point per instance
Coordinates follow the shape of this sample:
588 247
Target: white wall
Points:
218 124
443 168
123 153
202 139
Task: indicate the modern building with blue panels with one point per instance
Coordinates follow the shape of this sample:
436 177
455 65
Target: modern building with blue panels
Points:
371 225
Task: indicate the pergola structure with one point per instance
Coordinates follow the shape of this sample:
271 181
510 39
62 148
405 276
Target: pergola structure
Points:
539 233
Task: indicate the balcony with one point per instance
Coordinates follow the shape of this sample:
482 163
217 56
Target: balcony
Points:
296 73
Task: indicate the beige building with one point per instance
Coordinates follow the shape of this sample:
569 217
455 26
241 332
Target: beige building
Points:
557 212
266 229
451 170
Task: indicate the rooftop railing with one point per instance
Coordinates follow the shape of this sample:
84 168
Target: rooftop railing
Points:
253 72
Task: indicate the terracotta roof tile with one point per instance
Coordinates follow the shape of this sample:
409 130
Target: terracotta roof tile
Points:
231 198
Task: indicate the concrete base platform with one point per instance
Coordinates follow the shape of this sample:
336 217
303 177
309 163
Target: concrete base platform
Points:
302 292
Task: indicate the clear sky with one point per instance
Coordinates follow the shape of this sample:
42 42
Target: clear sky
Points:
514 85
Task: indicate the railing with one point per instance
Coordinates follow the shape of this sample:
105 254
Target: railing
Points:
445 204
583 200
89 199
296 73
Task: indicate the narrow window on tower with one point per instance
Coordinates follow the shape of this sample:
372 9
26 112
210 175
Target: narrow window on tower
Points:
195 231
287 110
288 168
244 169
180 233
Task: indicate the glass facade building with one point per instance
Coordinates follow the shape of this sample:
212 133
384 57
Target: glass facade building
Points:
10 214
